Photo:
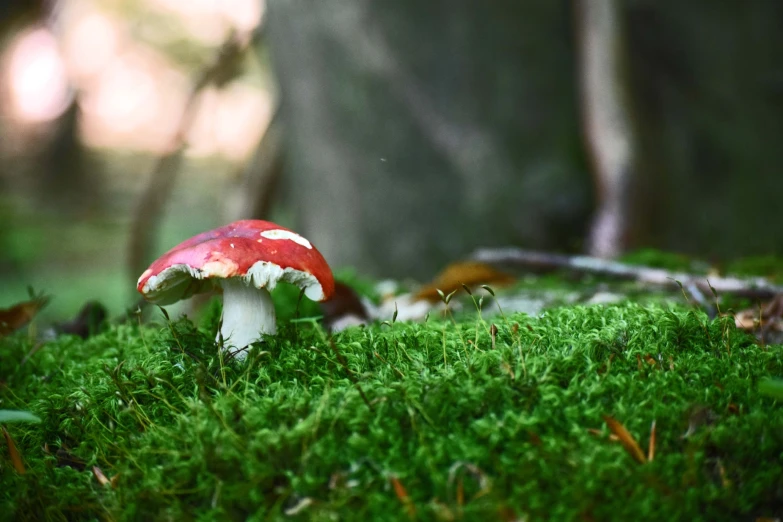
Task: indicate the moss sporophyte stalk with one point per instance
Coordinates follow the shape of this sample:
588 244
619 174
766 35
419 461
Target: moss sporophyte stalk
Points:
501 417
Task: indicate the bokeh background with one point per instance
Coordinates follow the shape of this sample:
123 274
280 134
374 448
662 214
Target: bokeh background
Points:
397 136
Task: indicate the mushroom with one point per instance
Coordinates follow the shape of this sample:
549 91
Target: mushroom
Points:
246 259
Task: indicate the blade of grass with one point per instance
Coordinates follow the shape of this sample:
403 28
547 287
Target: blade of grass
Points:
17 416
651 446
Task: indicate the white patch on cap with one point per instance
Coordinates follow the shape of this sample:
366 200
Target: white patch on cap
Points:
287 234
145 274
220 268
264 274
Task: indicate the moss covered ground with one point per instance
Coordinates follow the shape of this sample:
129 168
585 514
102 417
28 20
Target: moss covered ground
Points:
502 417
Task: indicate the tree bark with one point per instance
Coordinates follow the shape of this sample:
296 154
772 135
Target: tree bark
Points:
606 121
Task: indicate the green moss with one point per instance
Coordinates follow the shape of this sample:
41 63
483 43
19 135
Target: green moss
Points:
320 430
770 267
660 259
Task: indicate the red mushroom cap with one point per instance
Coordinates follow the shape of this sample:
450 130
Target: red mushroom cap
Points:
261 252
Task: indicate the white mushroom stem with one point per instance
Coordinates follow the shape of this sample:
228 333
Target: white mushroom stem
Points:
248 315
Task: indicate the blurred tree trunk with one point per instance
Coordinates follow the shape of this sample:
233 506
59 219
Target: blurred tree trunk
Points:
416 132
68 180
606 122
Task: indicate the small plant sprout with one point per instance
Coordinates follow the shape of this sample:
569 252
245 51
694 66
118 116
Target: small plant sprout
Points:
394 317
246 259
446 298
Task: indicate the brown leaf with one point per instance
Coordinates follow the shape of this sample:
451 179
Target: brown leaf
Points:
16 458
89 322
12 319
746 320
626 439
768 317
463 273
402 494
344 303
102 480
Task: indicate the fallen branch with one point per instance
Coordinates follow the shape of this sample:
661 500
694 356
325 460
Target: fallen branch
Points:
754 288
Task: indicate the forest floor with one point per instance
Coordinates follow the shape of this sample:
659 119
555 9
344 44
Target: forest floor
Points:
642 409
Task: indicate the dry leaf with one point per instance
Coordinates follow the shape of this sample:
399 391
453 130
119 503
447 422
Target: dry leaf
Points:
762 319
16 458
626 439
402 494
301 505
12 319
102 480
463 273
89 322
345 303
